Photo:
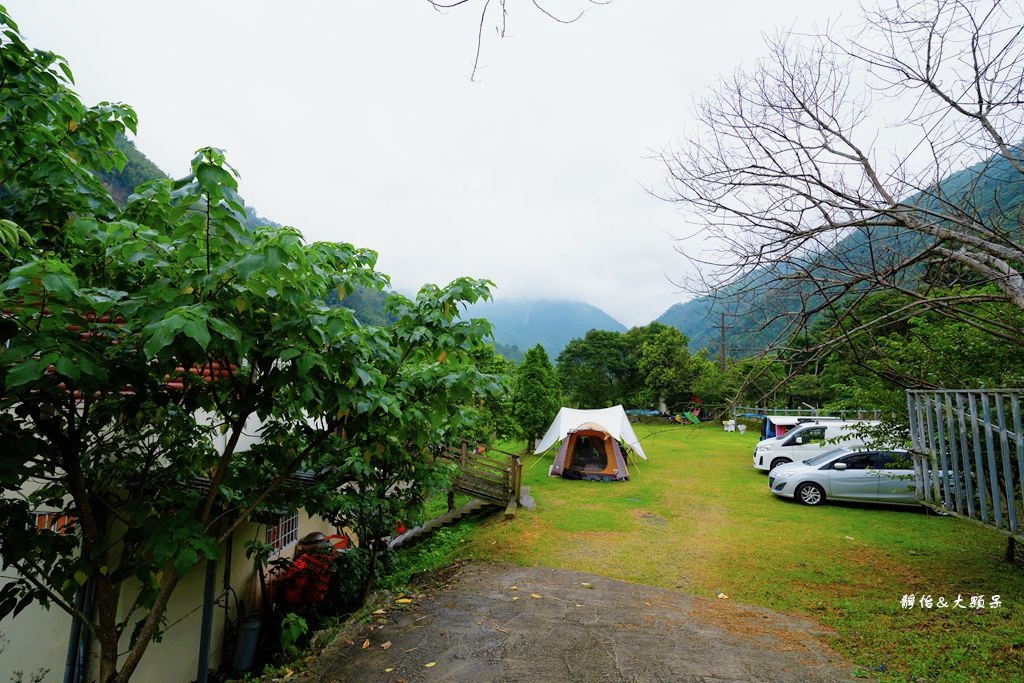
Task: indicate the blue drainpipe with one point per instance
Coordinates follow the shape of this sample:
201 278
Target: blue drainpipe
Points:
77 659
71 661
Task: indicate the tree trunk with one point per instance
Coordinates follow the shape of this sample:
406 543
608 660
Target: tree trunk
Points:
148 630
106 630
371 571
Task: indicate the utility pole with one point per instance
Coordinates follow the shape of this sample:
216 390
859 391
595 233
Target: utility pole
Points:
721 357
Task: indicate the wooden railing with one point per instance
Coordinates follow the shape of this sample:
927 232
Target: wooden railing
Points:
497 479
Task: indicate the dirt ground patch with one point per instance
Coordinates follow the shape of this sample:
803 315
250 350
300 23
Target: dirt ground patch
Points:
502 623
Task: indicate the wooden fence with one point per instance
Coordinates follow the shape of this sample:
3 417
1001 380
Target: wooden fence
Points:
968 450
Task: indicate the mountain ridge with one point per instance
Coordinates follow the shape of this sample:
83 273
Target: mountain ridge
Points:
520 324
761 308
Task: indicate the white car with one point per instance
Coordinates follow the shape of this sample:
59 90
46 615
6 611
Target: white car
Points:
874 476
805 441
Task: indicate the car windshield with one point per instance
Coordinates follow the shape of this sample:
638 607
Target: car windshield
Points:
824 457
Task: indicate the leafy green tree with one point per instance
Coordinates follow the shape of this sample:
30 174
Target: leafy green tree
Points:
536 395
883 351
413 391
134 339
753 380
661 364
495 415
712 385
595 371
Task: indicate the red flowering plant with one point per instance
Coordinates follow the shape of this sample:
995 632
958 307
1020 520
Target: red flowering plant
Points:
302 583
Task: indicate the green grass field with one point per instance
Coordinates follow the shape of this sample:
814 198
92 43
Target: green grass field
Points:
699 519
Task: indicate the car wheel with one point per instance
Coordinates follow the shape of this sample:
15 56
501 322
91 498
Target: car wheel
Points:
810 494
779 461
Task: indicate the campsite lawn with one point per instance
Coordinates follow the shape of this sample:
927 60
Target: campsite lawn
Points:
699 519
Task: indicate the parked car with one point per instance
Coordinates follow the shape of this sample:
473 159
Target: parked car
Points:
806 441
876 476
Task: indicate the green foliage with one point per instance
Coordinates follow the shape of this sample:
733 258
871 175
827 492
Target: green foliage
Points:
141 343
512 353
536 395
641 367
750 380
434 553
50 140
888 350
662 367
368 304
595 370
494 418
413 392
348 581
293 628
138 169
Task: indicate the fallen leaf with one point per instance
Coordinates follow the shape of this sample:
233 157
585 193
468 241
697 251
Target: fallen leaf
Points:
513 588
723 596
389 669
646 604
515 598
366 644
534 596
430 665
386 646
403 601
380 611
587 585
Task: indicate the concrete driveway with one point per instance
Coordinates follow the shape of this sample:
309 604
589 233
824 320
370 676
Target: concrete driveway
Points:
482 622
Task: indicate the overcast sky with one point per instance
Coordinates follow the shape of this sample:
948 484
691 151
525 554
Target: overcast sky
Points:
356 121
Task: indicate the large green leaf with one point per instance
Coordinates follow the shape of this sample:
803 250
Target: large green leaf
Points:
197 331
24 373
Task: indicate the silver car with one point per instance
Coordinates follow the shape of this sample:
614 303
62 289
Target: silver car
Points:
885 476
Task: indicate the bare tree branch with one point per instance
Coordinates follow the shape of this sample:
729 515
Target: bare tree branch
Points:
502 23
836 165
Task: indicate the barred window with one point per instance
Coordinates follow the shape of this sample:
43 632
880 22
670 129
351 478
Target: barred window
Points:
53 521
284 533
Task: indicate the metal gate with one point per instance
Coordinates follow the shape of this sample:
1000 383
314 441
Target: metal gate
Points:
968 450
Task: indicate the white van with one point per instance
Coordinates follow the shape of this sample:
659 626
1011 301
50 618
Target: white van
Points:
805 442
787 424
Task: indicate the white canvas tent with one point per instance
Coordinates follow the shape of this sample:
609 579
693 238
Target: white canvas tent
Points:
613 420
